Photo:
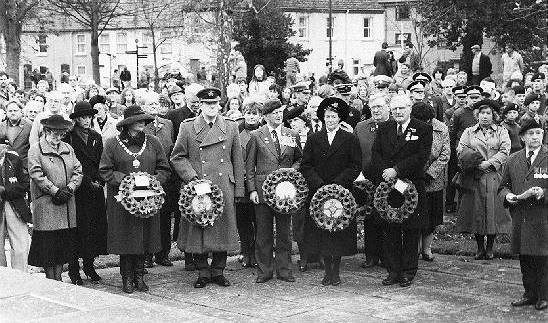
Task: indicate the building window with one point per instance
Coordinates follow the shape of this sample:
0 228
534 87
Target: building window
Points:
42 43
81 70
303 27
80 44
406 38
104 43
167 46
356 66
329 31
366 27
402 12
121 42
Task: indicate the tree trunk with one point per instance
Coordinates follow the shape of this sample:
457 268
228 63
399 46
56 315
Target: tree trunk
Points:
95 54
12 39
154 49
473 36
223 50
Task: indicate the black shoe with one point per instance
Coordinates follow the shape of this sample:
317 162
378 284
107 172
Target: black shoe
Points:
287 279
405 282
302 266
201 282
220 280
91 274
428 258
140 284
480 255
541 305
326 281
369 263
127 285
524 302
75 278
149 263
390 280
261 280
335 280
489 256
164 262
451 208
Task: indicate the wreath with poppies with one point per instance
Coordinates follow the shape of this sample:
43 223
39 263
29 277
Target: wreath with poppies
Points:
395 214
201 209
364 192
333 207
285 190
142 203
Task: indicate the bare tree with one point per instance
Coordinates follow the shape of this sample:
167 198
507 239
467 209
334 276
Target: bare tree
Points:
13 16
95 15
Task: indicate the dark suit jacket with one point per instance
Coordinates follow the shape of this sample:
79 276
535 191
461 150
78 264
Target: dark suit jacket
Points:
21 142
529 217
16 184
407 157
177 116
262 158
485 67
382 63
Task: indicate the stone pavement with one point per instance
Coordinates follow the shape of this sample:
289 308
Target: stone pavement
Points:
450 289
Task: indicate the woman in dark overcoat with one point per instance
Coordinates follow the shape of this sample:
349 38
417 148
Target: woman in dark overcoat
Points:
91 218
331 156
129 236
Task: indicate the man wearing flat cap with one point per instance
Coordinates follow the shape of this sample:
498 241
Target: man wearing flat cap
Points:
524 190
479 66
208 147
271 147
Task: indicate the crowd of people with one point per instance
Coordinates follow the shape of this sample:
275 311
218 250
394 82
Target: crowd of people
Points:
467 144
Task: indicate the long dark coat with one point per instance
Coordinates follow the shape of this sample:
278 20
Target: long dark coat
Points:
530 217
339 163
408 155
128 234
214 154
91 217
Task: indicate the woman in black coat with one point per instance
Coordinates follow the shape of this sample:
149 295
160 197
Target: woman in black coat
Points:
91 219
331 156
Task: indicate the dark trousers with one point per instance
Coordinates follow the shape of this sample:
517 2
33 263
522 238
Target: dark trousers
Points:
170 206
452 169
245 221
534 271
265 242
218 264
476 80
374 238
401 257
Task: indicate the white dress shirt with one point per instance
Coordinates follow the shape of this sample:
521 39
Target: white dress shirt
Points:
404 126
535 154
331 135
278 130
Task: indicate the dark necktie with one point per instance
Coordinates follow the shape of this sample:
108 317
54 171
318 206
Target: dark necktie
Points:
400 130
530 158
316 127
276 142
210 125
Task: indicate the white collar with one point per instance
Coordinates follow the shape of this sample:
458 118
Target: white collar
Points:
278 129
535 151
405 124
334 130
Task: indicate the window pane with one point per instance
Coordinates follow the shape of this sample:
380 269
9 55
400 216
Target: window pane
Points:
81 70
366 30
80 38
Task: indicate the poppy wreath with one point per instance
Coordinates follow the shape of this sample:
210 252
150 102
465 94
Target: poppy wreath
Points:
203 209
141 207
293 184
364 191
392 214
333 207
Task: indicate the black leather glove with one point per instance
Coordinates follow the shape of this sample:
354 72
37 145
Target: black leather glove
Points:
62 196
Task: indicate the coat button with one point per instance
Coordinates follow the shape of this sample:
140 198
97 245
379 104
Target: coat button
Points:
201 148
203 161
220 174
205 175
221 160
224 147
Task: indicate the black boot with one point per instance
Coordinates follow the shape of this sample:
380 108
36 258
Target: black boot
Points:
126 270
189 262
74 272
89 270
489 249
328 271
480 240
139 274
335 277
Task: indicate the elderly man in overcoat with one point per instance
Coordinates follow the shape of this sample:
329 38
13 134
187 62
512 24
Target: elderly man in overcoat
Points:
524 190
208 147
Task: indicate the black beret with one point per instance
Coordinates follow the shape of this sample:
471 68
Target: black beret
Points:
270 105
530 98
97 99
495 107
209 94
509 107
538 76
529 124
336 104
422 111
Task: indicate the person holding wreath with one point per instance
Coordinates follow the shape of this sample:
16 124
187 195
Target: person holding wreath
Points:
130 236
56 173
271 147
400 151
331 156
208 147
91 216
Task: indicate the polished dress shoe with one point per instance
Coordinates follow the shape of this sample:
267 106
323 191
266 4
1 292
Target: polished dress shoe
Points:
542 304
149 263
428 258
75 278
92 274
127 285
390 280
261 280
164 262
480 255
220 280
326 281
489 256
201 282
335 280
287 279
370 263
524 302
302 266
405 282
